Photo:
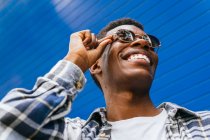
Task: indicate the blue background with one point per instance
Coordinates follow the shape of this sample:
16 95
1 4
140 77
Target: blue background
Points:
34 35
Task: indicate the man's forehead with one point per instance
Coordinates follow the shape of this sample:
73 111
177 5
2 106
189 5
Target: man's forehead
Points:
132 28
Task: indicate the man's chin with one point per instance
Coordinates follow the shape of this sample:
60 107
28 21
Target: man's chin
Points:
140 80
135 81
141 74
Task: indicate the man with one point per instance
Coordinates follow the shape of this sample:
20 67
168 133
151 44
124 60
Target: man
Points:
122 61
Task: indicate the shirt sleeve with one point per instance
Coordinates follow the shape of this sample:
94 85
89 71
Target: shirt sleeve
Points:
39 113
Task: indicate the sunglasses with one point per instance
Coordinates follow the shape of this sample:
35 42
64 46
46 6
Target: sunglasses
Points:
128 36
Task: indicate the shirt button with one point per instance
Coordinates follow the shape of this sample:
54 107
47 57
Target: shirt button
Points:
78 85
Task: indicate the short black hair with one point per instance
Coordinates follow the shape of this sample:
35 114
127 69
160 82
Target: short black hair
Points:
112 25
116 23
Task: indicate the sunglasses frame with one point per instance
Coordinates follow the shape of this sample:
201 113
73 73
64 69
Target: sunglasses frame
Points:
153 41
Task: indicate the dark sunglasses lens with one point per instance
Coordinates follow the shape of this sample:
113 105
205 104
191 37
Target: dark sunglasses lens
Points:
155 41
125 35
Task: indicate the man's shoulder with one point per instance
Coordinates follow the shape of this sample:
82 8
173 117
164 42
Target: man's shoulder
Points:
177 110
204 114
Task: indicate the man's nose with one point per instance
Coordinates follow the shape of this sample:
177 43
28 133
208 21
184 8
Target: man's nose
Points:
141 43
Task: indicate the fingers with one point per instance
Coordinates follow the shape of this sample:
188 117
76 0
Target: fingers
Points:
87 37
93 44
90 41
102 45
87 48
96 53
107 37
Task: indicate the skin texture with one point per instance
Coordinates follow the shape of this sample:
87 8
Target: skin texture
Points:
125 84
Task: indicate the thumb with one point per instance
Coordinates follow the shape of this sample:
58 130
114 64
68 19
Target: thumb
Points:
99 50
96 53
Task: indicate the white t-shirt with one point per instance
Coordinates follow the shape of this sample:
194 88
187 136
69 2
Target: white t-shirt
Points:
140 128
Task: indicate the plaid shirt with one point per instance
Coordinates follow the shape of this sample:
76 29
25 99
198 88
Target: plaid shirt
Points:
39 113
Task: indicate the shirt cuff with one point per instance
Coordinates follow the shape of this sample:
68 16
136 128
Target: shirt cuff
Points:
67 74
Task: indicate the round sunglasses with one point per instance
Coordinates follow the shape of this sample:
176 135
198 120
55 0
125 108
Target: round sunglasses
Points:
128 36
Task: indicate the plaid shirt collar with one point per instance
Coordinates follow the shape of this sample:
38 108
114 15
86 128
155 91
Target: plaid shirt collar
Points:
173 110
98 117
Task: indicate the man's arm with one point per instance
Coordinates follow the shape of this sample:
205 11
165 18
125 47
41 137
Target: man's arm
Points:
39 113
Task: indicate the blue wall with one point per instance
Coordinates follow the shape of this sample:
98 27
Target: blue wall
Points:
34 35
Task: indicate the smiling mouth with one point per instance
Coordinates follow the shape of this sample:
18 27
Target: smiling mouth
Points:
136 57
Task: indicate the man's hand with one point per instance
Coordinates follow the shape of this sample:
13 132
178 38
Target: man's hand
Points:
85 49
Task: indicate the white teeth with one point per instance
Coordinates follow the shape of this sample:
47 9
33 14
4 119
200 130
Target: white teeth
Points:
138 56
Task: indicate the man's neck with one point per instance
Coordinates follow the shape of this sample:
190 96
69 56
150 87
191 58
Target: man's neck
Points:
127 105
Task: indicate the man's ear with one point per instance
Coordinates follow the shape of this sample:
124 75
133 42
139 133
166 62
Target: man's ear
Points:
96 67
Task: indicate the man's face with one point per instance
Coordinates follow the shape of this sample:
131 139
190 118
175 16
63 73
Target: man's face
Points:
126 65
